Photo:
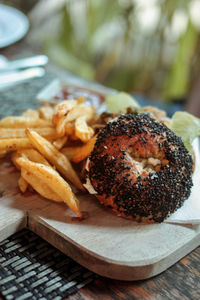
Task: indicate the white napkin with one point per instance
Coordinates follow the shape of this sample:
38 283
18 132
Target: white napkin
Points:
189 213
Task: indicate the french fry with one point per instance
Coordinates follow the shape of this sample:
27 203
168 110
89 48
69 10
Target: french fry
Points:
82 130
79 153
14 157
59 143
20 132
33 155
80 110
84 151
39 186
55 157
46 112
13 144
60 126
74 111
23 184
31 113
52 179
70 130
62 109
23 122
59 118
70 152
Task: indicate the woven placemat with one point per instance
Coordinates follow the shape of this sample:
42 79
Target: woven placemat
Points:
30 268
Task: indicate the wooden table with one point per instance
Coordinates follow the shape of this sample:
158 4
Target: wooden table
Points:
181 281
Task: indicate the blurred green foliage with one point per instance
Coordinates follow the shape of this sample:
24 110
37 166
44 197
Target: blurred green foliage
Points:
150 47
178 81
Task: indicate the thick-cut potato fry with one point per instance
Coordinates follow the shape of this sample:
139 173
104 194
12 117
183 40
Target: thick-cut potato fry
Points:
59 143
82 130
31 154
61 111
80 110
70 130
70 152
23 122
14 157
63 108
53 180
79 153
74 111
34 156
60 126
20 132
31 113
55 157
46 112
23 184
84 151
14 144
39 186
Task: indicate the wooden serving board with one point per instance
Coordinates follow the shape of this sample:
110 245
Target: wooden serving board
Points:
106 244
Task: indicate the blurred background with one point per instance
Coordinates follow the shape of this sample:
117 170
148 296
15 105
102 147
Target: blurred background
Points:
150 48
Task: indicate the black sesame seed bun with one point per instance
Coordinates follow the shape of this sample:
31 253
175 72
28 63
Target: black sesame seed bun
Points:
140 168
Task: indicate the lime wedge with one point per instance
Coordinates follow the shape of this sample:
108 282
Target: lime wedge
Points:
119 102
186 126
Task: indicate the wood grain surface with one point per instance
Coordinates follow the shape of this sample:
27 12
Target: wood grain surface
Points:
110 246
181 281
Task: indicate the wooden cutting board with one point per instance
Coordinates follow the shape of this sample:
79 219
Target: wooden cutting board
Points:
106 244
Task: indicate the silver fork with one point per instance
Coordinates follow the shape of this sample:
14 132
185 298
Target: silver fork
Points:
15 77
16 71
23 63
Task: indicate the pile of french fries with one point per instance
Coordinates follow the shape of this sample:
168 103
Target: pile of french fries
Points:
41 143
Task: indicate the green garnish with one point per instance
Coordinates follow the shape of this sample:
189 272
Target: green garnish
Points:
118 103
186 126
183 124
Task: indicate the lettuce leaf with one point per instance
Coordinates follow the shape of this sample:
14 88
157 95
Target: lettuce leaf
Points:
186 126
182 123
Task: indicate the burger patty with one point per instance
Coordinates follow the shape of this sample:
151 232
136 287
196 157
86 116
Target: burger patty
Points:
140 168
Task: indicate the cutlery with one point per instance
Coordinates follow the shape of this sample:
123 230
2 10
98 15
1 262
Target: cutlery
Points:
15 77
34 61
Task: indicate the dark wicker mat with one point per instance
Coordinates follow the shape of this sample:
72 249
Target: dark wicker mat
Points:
30 268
